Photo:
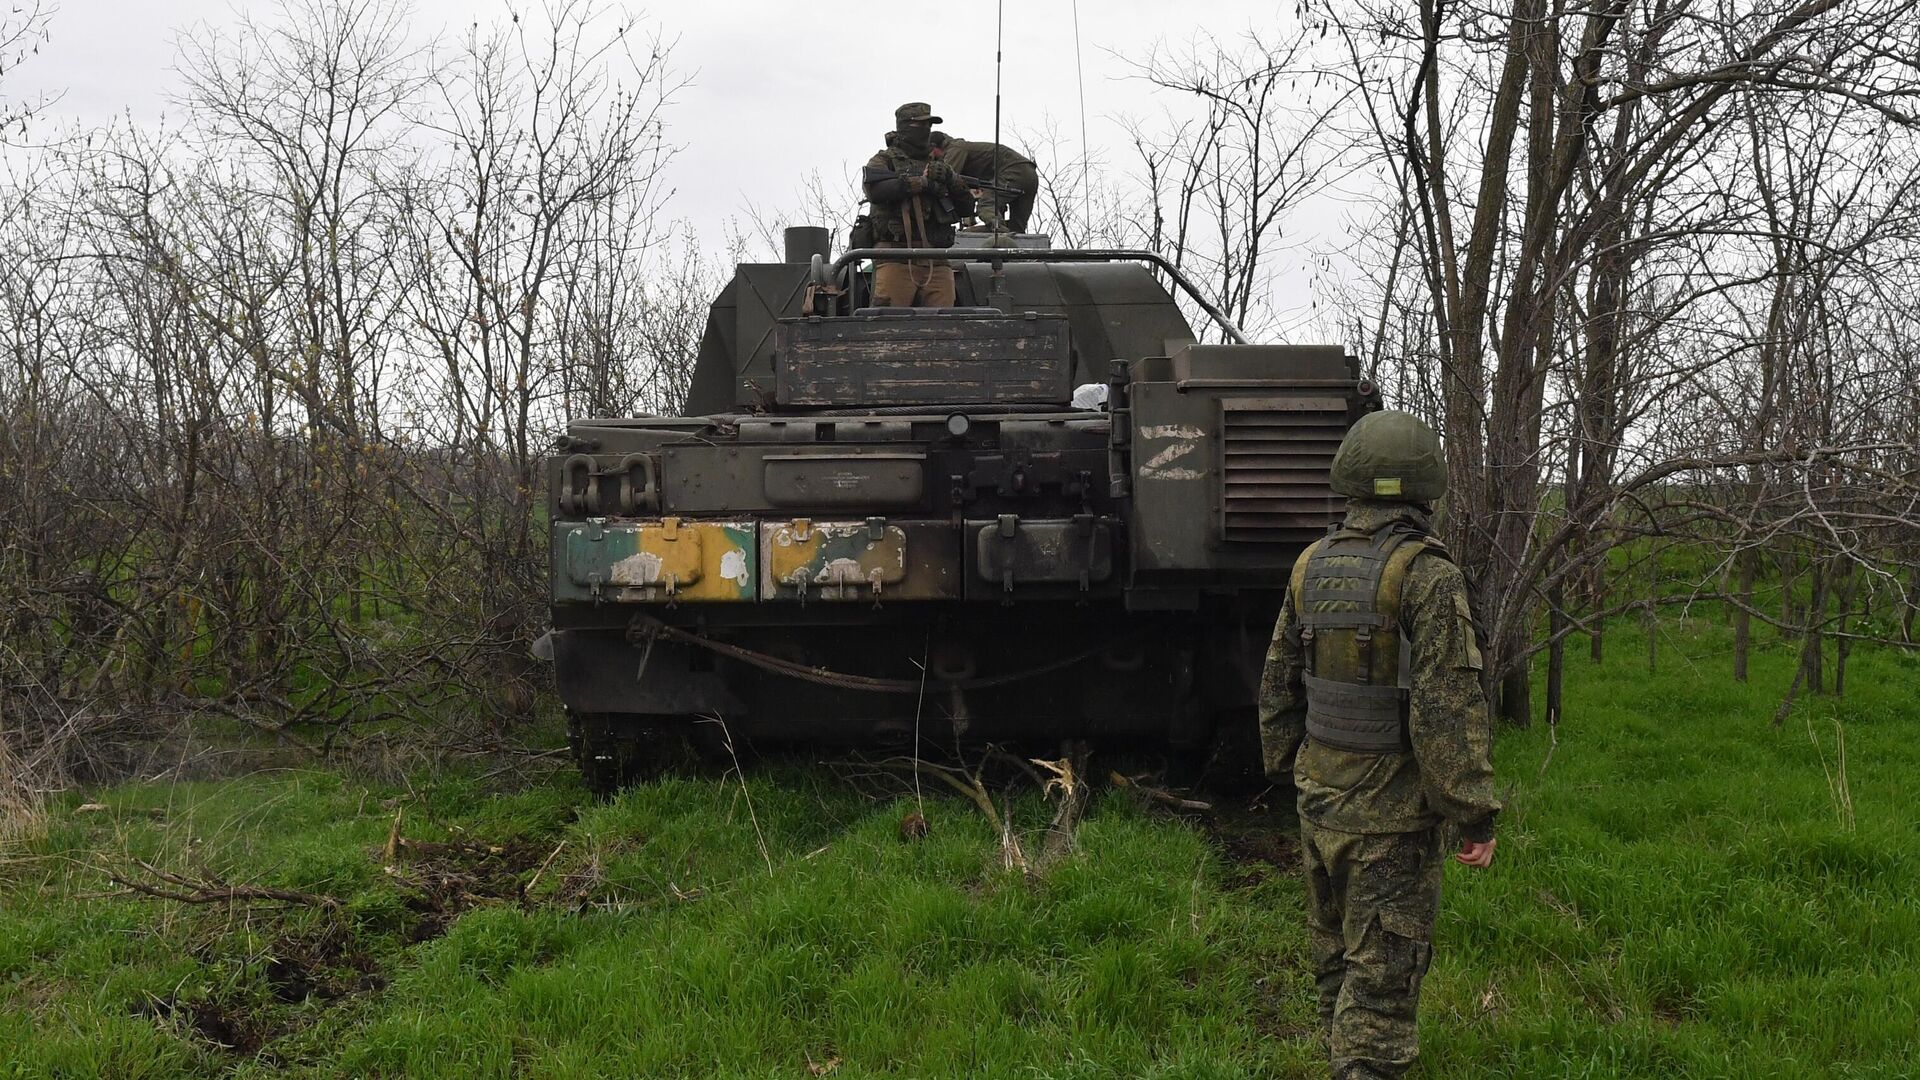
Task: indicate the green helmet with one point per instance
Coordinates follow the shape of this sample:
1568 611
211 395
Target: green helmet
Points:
1390 455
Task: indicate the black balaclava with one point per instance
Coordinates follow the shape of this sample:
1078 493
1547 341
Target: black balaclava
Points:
912 137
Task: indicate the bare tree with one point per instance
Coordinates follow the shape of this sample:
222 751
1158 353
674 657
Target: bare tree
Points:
1581 131
274 381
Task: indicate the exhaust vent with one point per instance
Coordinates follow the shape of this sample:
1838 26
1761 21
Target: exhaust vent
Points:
1276 452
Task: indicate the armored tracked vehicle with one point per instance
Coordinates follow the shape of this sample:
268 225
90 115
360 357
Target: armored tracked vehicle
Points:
878 524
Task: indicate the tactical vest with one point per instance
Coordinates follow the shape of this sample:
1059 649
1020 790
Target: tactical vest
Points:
1346 596
938 213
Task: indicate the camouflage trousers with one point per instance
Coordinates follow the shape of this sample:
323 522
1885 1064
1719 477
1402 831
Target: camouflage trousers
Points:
1006 208
1371 902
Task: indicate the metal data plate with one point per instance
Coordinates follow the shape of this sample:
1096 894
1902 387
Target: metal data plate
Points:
889 481
655 561
857 560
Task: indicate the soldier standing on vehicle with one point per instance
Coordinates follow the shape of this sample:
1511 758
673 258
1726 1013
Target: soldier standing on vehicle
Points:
1371 704
1002 166
915 201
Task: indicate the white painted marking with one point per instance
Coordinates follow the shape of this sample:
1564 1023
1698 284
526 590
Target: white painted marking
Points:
1171 454
640 568
1171 431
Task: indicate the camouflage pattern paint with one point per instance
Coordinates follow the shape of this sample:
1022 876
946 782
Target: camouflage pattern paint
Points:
645 562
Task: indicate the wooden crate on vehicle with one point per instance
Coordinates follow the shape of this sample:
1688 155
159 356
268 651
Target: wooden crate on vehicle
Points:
921 357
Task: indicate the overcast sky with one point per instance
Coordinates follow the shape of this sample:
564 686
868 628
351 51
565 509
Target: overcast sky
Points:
778 88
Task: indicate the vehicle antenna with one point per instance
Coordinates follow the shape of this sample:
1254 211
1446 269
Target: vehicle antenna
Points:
1086 160
999 26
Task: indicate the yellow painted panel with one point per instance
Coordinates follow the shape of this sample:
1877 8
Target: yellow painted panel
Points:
668 556
833 560
682 560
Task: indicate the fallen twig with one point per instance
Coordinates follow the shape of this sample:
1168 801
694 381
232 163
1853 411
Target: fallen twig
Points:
1074 796
524 756
434 849
527 889
968 784
211 890
1148 792
392 849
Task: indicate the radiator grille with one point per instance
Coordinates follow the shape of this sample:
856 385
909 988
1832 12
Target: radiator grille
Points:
1273 479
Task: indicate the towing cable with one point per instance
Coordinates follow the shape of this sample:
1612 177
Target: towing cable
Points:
645 629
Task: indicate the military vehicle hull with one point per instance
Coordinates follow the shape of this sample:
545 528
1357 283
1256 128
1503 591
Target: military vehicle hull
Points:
890 525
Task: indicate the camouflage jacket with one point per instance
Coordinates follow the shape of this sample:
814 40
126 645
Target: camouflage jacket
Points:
891 202
1449 773
977 159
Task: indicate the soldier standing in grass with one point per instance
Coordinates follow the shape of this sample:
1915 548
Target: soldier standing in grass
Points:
914 201
1371 705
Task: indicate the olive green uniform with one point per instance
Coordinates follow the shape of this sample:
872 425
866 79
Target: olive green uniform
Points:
913 205
1001 165
1376 827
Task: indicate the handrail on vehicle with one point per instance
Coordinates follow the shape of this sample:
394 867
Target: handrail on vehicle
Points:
998 255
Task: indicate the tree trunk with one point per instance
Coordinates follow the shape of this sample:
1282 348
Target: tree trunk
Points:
1812 654
1597 602
1649 617
1912 605
1516 695
1556 651
1557 595
1651 626
1789 615
1842 644
1742 621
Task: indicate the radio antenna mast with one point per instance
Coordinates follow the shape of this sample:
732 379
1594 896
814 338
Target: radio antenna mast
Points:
1086 153
999 28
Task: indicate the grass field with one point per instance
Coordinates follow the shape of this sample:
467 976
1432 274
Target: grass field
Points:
1684 890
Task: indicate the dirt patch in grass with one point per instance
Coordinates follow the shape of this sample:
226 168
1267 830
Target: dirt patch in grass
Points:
1257 843
1271 1020
442 880
328 963
225 1025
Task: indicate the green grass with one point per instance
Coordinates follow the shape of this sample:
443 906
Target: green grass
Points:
1678 893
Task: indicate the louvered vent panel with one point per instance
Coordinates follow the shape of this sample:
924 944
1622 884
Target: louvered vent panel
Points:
1273 483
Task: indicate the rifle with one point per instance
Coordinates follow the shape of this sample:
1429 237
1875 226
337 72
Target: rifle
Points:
873 175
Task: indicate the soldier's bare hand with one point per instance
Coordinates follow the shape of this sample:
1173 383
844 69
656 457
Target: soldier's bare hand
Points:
1476 854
